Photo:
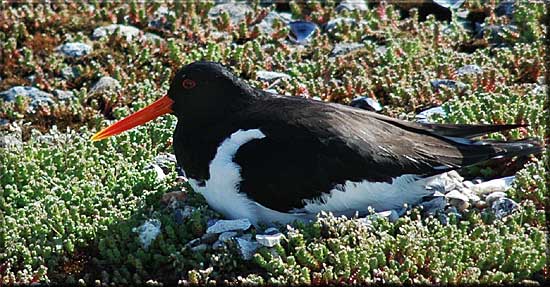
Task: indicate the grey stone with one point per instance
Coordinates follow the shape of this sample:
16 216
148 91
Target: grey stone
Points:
469 70
458 200
9 140
64 95
435 204
237 11
391 215
148 231
228 225
494 196
36 96
269 240
105 85
75 49
270 76
247 247
344 48
301 32
128 32
158 170
503 207
381 50
426 115
366 103
439 83
199 248
351 5
69 73
499 184
266 25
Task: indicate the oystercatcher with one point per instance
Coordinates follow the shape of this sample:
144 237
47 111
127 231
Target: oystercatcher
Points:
273 158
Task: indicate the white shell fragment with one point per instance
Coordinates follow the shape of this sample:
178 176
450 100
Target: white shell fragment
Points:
500 184
229 225
269 240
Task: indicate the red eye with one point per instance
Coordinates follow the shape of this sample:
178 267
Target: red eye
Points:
188 84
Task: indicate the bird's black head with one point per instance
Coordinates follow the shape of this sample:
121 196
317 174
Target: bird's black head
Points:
200 93
205 91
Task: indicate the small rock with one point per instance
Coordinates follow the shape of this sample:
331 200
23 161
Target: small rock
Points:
433 205
271 231
266 25
199 248
426 115
458 200
500 184
481 204
468 184
269 76
351 5
494 196
7 141
129 32
37 96
228 225
105 85
469 70
391 215
344 48
366 103
450 4
237 11
269 240
503 207
437 84
75 50
160 173
148 231
301 31
223 238
64 95
69 73
247 247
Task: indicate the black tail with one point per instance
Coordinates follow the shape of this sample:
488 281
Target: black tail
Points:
468 131
521 147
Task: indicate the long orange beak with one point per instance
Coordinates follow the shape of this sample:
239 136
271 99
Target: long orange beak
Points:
158 108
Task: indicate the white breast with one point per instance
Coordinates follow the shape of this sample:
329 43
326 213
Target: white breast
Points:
222 194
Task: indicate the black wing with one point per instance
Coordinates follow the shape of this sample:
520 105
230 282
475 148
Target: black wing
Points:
310 147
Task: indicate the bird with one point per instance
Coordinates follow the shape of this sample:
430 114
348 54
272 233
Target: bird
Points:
276 159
